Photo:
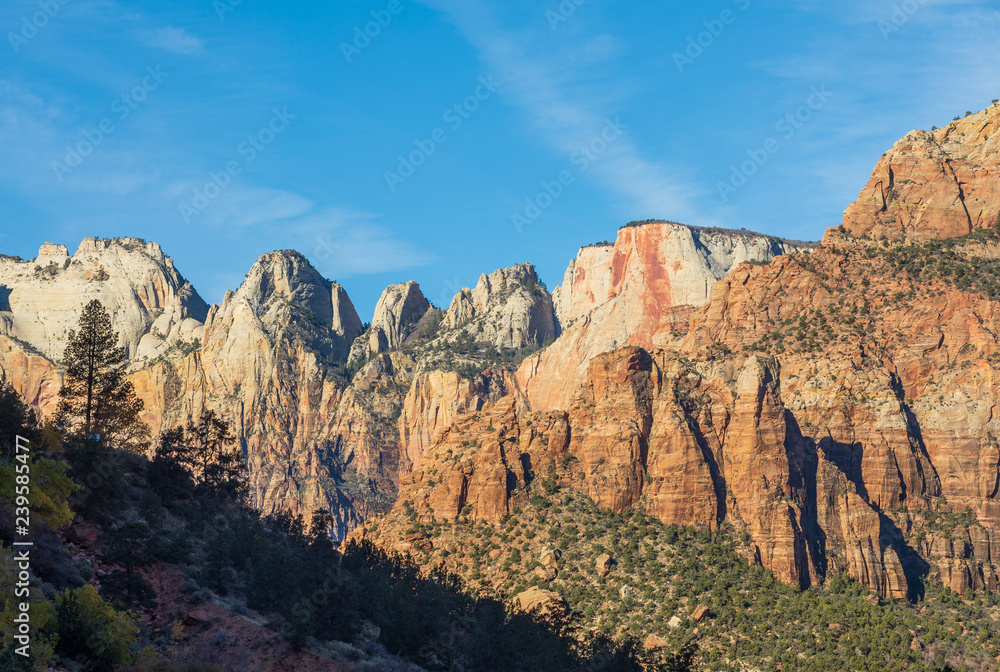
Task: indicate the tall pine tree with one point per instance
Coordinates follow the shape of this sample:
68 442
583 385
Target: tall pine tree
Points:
96 399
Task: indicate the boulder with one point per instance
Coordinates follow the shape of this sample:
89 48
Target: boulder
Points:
603 564
674 622
699 613
653 642
83 534
545 573
540 602
549 558
196 617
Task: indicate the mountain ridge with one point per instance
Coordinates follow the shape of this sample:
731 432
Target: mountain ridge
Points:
706 378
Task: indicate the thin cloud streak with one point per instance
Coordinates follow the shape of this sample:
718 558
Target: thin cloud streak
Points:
177 40
567 125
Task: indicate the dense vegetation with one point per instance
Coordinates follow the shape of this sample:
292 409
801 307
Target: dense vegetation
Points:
665 571
954 260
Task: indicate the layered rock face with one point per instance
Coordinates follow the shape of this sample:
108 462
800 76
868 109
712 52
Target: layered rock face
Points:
137 284
266 364
892 391
270 359
436 399
634 292
934 184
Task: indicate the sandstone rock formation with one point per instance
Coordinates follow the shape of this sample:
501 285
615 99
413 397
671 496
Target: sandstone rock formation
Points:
603 564
629 293
833 405
398 309
509 308
654 642
934 184
836 405
138 285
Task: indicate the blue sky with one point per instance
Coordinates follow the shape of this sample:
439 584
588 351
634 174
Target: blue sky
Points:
613 106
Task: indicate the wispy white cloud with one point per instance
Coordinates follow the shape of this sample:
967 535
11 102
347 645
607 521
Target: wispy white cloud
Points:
344 242
176 40
237 206
892 69
566 111
340 241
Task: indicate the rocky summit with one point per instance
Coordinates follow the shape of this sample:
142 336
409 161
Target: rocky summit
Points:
832 403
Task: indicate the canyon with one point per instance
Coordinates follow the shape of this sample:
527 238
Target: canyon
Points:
834 407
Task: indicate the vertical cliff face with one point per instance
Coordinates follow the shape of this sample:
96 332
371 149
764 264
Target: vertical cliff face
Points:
891 380
265 364
345 323
635 292
934 184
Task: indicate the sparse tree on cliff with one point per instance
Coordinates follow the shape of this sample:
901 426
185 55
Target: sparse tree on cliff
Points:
96 398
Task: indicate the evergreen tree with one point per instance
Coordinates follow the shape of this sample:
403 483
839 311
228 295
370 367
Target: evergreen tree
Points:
171 472
319 527
96 399
127 545
217 458
16 419
208 452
